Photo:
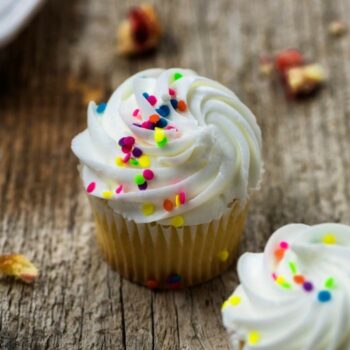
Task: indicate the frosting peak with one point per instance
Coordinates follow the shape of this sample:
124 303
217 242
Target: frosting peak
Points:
295 295
199 141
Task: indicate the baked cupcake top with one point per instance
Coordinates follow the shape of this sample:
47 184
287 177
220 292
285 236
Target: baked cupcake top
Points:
170 146
295 295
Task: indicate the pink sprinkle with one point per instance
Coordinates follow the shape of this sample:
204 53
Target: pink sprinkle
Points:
182 196
172 92
284 245
127 157
126 149
119 189
148 174
152 100
129 141
135 112
147 125
274 276
91 187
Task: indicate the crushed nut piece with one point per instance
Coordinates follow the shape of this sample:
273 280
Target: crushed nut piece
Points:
18 266
266 66
305 79
337 28
140 32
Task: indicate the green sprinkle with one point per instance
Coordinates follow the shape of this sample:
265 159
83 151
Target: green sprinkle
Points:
286 285
133 161
177 76
329 283
139 179
162 143
293 267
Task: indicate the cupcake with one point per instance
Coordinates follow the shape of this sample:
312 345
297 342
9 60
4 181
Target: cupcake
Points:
169 165
295 295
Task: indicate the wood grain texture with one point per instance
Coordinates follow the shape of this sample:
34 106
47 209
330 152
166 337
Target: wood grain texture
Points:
79 303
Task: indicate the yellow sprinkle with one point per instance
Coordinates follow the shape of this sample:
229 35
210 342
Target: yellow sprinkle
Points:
107 194
147 209
177 221
234 300
225 304
177 200
329 238
159 134
144 161
280 279
254 337
119 161
223 255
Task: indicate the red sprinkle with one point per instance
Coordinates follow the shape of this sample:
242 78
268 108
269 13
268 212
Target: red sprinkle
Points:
152 100
148 174
172 92
91 187
168 205
152 283
135 112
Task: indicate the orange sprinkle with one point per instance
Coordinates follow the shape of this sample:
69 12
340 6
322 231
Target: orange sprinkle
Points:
279 253
299 279
168 205
181 106
154 118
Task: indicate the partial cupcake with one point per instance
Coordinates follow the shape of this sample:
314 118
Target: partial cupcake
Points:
295 295
170 163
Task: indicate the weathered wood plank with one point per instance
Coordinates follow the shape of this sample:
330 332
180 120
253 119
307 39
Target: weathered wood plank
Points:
79 303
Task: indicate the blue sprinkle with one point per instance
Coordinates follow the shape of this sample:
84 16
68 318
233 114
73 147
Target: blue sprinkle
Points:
101 107
324 296
163 110
162 123
145 95
173 278
174 103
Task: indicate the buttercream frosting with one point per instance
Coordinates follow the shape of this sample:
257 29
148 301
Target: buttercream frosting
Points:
296 294
200 142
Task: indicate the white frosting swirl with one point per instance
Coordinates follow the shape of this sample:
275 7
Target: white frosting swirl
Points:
213 154
295 295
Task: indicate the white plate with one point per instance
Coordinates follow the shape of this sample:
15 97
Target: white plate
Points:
14 15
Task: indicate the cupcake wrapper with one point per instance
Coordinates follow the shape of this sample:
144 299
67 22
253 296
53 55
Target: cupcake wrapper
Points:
160 256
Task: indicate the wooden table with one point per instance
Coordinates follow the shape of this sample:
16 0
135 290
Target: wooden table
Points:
66 56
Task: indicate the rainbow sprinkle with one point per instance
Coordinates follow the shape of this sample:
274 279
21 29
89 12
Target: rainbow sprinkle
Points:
223 255
147 209
107 194
254 337
101 107
329 238
324 296
91 187
177 221
177 76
